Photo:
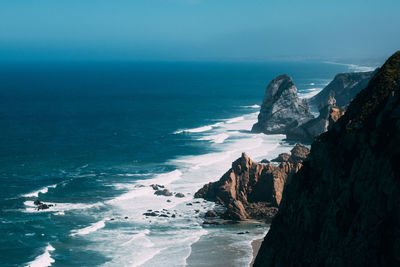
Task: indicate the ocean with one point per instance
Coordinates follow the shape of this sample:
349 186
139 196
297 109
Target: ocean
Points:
90 139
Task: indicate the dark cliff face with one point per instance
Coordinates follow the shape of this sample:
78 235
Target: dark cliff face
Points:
253 190
343 207
281 107
344 87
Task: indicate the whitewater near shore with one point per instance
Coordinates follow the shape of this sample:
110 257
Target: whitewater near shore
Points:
98 199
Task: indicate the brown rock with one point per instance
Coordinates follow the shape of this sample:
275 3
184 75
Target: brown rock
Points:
253 190
164 192
211 214
281 158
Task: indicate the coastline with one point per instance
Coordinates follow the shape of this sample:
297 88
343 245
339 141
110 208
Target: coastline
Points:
228 245
255 245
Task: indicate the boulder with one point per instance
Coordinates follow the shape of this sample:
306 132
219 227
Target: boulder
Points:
164 192
150 214
180 195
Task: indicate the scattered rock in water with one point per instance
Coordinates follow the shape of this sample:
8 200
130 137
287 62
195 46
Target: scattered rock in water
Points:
168 200
154 186
112 219
126 217
42 206
180 195
189 204
197 211
164 192
173 216
240 233
150 214
163 215
197 202
265 161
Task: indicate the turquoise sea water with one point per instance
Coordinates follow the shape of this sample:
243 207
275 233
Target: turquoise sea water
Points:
89 138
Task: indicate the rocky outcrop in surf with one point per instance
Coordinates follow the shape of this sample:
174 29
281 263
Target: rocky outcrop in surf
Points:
343 207
344 87
281 109
253 190
328 114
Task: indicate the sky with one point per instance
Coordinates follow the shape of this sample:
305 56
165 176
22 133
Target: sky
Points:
198 30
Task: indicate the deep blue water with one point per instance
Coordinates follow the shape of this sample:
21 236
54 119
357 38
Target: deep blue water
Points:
82 126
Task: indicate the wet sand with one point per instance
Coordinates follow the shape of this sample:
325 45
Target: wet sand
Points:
255 244
228 245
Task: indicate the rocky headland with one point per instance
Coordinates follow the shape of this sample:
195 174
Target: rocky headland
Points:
282 112
281 108
342 208
344 87
251 190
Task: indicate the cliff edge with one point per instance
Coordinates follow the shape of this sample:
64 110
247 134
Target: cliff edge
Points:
343 206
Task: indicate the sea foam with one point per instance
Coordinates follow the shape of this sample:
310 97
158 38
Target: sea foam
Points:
44 259
90 229
43 190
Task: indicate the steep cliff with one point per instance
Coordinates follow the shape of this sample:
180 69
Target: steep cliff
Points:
343 207
344 87
253 190
281 108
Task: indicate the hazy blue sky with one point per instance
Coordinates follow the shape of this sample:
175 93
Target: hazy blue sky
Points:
197 29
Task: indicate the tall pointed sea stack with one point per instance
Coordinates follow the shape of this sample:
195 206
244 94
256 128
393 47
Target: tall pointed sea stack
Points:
343 207
281 108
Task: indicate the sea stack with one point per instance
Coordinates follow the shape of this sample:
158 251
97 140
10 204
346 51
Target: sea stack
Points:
281 108
343 206
251 190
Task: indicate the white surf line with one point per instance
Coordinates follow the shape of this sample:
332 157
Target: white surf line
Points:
90 229
43 190
44 259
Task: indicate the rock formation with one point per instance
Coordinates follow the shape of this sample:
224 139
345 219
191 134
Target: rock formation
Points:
253 190
281 108
343 207
344 87
328 114
164 192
